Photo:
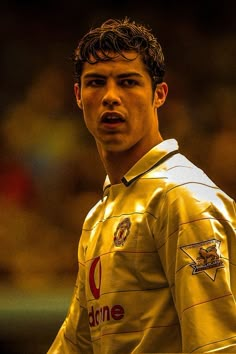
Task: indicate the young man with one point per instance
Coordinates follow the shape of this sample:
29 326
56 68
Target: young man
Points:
157 260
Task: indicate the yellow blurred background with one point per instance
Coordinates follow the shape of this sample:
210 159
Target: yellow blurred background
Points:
50 173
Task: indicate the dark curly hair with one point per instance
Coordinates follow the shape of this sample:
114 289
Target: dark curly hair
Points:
117 36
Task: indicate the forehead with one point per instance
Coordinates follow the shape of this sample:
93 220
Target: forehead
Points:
131 61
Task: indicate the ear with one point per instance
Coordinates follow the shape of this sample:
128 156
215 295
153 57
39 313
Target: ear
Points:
160 95
78 95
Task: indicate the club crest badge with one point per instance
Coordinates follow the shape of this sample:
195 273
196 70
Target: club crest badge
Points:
122 232
205 256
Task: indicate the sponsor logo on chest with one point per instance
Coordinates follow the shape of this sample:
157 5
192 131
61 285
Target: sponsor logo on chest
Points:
100 314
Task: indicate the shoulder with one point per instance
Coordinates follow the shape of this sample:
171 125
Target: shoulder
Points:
179 170
94 214
186 186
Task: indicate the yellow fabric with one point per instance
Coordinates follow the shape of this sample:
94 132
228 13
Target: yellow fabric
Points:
157 265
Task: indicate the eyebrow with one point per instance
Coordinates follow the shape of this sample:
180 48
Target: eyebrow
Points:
120 76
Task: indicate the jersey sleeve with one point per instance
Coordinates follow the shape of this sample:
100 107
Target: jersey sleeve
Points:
74 334
196 242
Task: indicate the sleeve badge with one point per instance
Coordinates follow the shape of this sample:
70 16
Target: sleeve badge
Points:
206 257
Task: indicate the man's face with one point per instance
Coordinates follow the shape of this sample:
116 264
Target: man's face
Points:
118 104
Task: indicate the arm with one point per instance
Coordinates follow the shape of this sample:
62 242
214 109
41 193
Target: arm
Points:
74 334
197 250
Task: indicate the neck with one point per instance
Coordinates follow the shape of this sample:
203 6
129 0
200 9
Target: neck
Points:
117 164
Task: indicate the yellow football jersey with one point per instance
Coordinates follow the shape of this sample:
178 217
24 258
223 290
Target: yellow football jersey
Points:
157 264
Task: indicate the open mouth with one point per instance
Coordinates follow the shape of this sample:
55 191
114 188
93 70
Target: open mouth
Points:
112 118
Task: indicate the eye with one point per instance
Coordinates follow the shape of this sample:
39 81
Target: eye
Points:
95 83
129 82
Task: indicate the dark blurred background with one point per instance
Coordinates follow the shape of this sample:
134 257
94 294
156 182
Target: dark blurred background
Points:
50 173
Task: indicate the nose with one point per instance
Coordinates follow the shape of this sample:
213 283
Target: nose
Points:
111 96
